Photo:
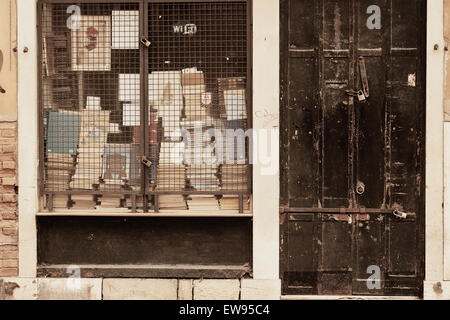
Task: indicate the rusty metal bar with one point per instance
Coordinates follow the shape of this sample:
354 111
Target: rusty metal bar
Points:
241 203
337 210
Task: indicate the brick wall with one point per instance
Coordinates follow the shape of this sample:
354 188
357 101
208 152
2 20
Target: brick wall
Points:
9 254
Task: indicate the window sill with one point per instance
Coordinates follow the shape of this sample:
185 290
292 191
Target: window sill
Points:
149 271
161 214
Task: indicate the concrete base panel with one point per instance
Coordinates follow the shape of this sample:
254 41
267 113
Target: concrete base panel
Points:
69 289
140 289
18 289
185 290
216 289
434 290
260 289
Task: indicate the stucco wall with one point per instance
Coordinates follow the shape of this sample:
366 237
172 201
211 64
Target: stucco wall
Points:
8 74
9 255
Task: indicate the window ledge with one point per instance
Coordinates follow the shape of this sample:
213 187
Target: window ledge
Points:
161 214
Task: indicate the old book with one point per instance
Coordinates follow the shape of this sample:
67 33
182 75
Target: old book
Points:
81 202
234 83
94 128
63 132
231 202
235 104
116 163
171 202
91 44
202 203
125 29
165 90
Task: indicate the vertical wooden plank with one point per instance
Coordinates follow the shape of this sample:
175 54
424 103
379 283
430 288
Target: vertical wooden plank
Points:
370 243
407 117
302 108
336 42
302 145
284 80
371 114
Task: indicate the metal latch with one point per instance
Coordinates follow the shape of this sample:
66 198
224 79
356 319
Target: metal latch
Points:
146 42
363 216
399 214
364 80
363 93
344 217
146 161
359 94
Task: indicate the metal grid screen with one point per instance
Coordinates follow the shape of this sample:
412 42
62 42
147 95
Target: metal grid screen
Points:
145 119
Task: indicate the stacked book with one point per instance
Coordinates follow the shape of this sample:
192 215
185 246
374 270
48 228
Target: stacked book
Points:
116 166
171 170
62 140
60 201
88 169
60 168
193 83
231 202
203 203
203 177
202 166
166 96
171 202
109 202
81 202
94 132
234 177
232 98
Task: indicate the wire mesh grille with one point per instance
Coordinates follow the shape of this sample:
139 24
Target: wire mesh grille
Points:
94 137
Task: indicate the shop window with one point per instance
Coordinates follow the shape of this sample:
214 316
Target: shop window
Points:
145 106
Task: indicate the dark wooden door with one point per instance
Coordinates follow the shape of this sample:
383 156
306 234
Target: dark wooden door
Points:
352 181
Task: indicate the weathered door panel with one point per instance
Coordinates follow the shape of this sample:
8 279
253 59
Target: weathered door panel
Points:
335 148
346 157
300 255
335 262
369 251
302 117
370 133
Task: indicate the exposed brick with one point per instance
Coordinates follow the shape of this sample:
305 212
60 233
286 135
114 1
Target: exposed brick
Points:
9 198
9 181
7 157
7 189
8 164
10 215
8 125
9 255
11 148
7 173
9 272
8 247
7 141
8 239
9 263
9 231
8 133
8 223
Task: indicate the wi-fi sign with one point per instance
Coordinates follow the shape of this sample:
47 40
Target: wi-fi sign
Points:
184 28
